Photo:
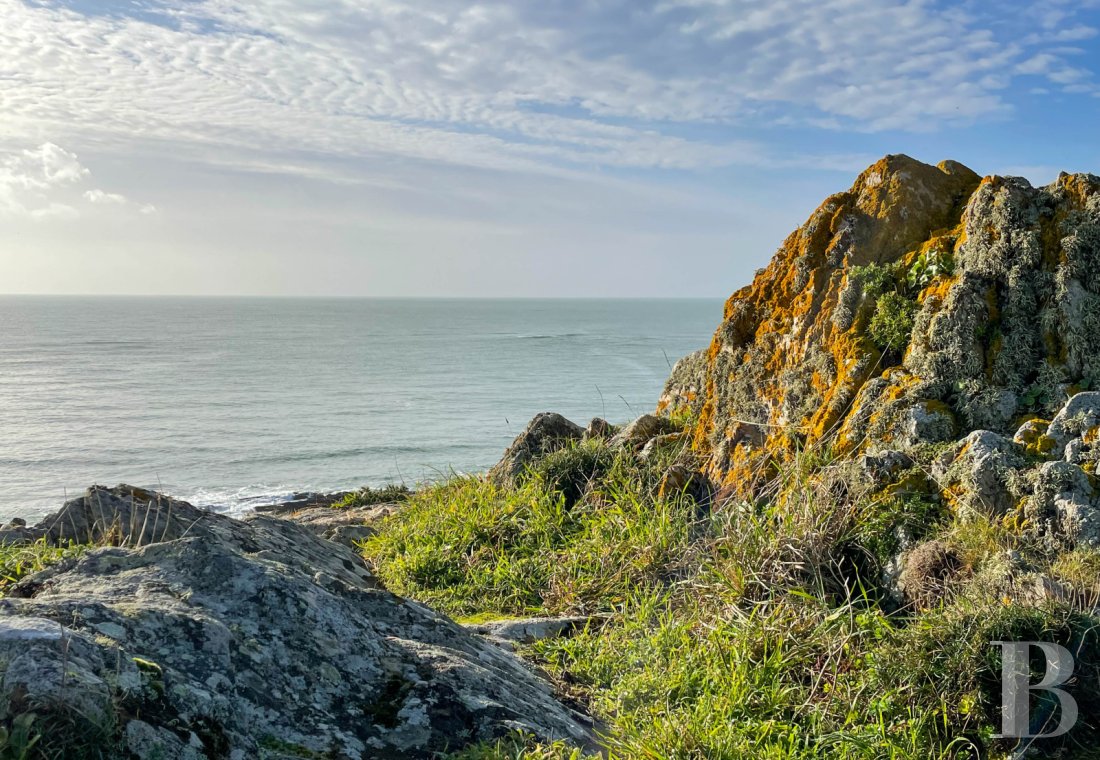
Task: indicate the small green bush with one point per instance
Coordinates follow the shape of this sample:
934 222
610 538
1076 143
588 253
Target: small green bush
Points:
928 266
892 324
873 279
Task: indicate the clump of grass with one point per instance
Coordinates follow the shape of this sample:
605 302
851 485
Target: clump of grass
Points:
473 546
20 560
368 497
571 470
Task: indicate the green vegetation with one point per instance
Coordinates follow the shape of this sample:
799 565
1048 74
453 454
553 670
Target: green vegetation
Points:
368 497
745 630
18 737
892 323
928 266
19 560
520 747
470 546
873 279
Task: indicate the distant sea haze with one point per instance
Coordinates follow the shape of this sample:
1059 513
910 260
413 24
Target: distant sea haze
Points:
232 402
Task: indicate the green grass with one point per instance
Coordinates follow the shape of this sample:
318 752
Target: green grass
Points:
20 560
755 630
368 497
470 546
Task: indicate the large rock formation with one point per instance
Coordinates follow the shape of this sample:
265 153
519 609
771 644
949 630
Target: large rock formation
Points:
201 636
922 304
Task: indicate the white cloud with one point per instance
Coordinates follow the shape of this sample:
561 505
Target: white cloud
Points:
523 86
96 195
44 183
29 178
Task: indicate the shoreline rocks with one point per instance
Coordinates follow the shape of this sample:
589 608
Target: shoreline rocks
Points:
199 635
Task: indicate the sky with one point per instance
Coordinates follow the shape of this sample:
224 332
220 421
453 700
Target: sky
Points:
606 148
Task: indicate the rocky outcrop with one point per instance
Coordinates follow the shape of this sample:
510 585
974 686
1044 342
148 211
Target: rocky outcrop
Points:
923 303
201 636
545 433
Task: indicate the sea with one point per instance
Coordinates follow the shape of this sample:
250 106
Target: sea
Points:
234 402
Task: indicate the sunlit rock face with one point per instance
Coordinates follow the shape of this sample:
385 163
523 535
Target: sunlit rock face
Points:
922 304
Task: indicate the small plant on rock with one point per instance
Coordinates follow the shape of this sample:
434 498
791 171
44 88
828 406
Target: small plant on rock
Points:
892 324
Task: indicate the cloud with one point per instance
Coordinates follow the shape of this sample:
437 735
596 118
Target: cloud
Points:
101 196
44 183
544 87
28 179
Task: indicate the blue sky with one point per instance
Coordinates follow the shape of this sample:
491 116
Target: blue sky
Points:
439 148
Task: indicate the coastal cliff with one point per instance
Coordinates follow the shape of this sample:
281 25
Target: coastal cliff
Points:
886 460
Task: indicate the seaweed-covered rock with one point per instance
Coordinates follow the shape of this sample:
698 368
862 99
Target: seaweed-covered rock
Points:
922 304
211 637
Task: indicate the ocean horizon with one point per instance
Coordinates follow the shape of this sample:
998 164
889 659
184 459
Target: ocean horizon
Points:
234 401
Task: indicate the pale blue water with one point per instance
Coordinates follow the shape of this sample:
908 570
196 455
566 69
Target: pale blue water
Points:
233 402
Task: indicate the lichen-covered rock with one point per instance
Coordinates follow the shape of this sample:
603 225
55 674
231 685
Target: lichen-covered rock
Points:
1063 504
685 389
993 284
884 467
547 432
598 429
1079 418
642 430
345 525
978 475
511 632
211 637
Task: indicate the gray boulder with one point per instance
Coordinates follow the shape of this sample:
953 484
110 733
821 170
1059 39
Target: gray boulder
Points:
639 432
1080 414
204 636
547 432
979 474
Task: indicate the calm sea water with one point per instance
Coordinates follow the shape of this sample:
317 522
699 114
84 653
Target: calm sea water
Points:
233 402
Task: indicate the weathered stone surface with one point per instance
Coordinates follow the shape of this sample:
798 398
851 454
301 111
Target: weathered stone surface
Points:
344 526
1079 417
1002 280
977 474
210 637
598 429
667 442
530 630
884 467
685 389
1063 504
683 479
547 432
639 432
